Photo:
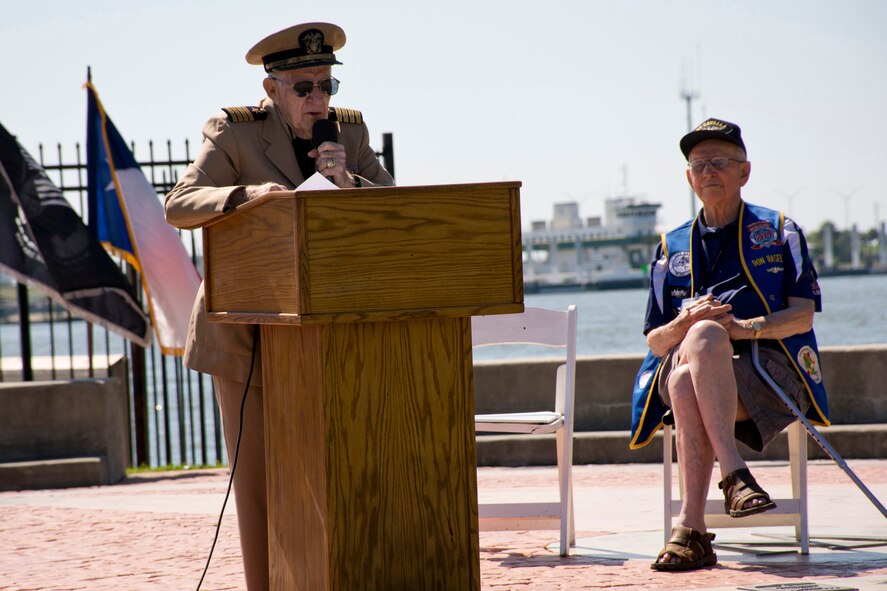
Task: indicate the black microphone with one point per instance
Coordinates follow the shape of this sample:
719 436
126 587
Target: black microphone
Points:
324 130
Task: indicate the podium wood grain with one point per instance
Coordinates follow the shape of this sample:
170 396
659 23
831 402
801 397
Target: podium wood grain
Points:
370 430
368 254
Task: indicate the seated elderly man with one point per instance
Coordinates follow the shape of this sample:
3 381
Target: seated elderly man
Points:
736 273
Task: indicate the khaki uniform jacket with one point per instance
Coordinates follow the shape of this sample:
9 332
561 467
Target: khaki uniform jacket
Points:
232 156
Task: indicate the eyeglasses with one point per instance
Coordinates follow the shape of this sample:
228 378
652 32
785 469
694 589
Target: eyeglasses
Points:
303 88
718 163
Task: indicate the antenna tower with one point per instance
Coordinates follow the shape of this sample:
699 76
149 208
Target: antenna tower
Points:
688 95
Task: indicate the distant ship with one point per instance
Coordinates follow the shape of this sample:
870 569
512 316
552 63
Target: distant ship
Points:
569 254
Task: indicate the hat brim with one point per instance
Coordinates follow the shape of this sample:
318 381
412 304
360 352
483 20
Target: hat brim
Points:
308 64
689 141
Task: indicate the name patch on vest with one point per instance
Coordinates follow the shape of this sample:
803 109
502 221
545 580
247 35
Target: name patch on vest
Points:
762 234
770 258
679 264
809 362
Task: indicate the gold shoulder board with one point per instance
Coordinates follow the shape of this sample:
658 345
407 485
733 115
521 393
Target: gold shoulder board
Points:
242 114
343 115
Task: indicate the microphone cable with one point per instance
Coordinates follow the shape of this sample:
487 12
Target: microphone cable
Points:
249 377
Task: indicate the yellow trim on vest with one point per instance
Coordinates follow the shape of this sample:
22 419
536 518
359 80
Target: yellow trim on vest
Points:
692 274
744 264
825 421
633 444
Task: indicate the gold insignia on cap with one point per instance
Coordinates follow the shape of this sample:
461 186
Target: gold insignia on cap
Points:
312 41
712 125
244 114
343 115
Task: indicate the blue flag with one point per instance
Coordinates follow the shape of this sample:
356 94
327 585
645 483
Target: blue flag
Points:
126 215
106 220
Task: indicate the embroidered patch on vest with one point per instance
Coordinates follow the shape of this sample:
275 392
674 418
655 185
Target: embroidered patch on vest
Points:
679 293
679 264
644 379
243 114
809 362
762 234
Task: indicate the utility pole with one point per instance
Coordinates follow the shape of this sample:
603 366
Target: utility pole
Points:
846 195
688 95
790 197
882 240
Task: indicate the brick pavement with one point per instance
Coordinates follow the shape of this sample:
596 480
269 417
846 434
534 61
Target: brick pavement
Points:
153 533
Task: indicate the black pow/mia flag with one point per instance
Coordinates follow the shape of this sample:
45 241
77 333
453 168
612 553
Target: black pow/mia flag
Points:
44 244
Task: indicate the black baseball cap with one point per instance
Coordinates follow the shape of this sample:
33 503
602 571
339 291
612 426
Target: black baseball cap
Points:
712 129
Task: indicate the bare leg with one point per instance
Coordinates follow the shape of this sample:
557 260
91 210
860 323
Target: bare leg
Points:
706 406
709 354
695 452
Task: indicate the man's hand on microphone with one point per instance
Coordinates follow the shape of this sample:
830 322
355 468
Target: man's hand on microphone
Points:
330 160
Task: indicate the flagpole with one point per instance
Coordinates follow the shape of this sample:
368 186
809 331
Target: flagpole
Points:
90 335
24 323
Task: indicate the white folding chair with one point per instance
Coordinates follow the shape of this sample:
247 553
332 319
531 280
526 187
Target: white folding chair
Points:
552 328
790 511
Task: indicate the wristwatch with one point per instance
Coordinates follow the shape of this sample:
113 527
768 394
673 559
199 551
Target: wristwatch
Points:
756 326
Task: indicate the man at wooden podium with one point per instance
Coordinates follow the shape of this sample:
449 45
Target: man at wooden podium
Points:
248 152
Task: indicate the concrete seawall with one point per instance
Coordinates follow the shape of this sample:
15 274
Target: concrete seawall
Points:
62 433
855 377
75 432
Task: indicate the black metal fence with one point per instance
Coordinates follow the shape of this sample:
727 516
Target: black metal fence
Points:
174 419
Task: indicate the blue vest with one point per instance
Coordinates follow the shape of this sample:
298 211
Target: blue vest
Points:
763 242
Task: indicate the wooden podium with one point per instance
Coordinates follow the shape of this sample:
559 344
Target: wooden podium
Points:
365 298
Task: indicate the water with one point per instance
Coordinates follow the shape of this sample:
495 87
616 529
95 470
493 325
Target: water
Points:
610 322
73 343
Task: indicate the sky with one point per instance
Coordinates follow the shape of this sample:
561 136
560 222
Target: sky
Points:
580 100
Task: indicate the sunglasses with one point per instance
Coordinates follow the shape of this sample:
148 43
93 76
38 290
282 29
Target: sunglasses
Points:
303 88
719 163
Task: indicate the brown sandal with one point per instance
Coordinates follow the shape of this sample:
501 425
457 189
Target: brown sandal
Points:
693 548
739 488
